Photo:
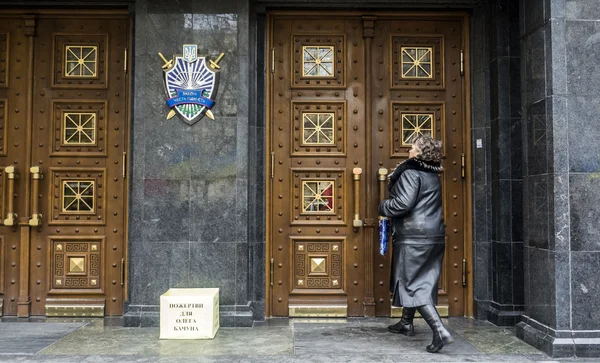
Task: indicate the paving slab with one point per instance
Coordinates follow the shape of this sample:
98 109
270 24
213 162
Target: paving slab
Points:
352 340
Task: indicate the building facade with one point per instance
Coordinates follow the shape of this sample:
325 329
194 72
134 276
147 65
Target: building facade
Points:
106 203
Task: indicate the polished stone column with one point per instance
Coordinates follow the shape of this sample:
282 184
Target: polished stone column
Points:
561 102
189 210
506 258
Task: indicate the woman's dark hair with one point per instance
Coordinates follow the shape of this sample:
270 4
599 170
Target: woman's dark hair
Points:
431 149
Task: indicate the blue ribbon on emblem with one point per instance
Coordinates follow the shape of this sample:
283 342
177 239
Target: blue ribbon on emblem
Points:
190 96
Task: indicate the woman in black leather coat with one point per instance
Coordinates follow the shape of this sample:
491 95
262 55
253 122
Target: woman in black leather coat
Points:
418 235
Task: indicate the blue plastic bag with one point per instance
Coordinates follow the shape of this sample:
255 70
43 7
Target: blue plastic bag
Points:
384 234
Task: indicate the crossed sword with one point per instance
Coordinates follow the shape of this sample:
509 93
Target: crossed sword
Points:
214 64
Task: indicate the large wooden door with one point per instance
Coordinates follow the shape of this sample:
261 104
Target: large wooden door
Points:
346 95
65 103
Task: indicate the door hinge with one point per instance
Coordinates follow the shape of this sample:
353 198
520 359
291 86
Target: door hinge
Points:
125 62
124 164
462 165
272 271
272 164
464 272
462 62
272 60
122 271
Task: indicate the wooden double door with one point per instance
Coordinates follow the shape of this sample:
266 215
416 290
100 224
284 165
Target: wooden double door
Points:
347 93
63 142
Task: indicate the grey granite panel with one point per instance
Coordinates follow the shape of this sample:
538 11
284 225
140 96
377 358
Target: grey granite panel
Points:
481 223
214 151
517 210
500 78
533 14
241 210
166 210
257 272
141 65
582 9
479 165
482 264
562 302
479 41
542 285
175 7
557 125
480 99
538 218
534 73
139 26
213 211
167 150
514 30
503 276
136 210
161 33
582 63
137 148
242 272
501 211
515 86
242 150
584 199
560 213
214 265
585 287
584 132
518 283
156 268
499 38
500 150
556 58
555 9
516 148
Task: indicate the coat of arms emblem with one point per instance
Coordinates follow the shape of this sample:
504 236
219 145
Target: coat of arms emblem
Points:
191 84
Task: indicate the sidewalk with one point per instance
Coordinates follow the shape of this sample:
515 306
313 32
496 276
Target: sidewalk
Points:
276 340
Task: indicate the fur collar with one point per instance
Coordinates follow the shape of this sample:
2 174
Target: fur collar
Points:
415 164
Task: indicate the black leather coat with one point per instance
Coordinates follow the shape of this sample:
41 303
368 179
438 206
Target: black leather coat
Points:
415 209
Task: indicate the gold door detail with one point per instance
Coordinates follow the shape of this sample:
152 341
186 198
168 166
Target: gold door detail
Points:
76 264
66 254
81 61
318 264
347 92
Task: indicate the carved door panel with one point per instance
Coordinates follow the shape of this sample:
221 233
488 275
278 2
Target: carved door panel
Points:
13 166
418 89
72 263
350 92
318 139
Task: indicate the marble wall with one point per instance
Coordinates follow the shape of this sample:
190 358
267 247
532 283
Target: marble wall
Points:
190 185
560 40
506 165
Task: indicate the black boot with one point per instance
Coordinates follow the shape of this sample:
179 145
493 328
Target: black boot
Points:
405 325
441 336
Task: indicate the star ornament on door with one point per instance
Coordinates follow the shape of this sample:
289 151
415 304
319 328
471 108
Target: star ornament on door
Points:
191 84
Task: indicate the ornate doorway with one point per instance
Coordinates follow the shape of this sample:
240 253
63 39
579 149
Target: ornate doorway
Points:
63 136
346 92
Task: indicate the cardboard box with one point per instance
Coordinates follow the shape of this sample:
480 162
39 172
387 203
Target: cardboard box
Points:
189 314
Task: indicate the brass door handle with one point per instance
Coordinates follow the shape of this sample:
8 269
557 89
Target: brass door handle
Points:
11 216
357 222
381 176
36 217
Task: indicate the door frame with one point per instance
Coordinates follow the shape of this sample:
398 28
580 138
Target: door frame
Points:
467 188
105 12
